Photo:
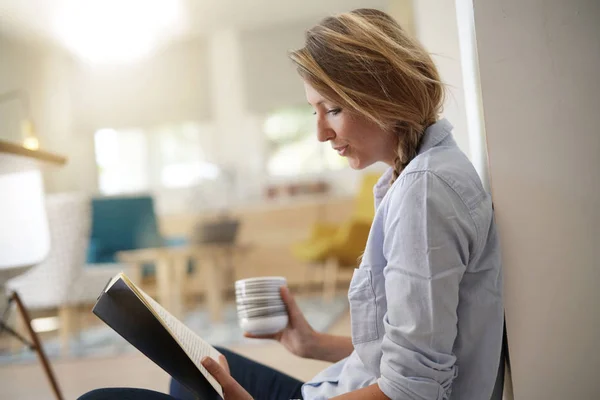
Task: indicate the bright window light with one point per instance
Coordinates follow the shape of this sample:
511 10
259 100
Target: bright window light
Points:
293 146
138 160
116 31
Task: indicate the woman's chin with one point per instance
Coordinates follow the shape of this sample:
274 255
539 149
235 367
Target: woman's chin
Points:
355 163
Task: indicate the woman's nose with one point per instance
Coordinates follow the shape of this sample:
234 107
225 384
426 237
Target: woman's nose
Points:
324 131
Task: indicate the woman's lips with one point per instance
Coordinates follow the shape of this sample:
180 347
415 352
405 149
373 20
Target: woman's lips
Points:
341 150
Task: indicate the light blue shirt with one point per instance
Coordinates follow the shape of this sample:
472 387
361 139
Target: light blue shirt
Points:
426 301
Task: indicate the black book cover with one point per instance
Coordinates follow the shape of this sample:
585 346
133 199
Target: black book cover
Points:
121 309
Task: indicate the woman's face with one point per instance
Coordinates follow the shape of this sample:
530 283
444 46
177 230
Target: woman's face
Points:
355 137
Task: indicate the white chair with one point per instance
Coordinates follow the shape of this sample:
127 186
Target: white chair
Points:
24 242
24 237
62 281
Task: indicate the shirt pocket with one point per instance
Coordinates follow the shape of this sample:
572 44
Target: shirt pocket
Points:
363 307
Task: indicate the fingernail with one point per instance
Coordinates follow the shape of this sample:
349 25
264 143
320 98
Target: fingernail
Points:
206 361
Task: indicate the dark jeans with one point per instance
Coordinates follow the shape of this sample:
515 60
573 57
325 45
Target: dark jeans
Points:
262 382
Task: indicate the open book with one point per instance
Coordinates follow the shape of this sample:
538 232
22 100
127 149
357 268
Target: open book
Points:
158 335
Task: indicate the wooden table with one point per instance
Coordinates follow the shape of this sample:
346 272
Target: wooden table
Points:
212 260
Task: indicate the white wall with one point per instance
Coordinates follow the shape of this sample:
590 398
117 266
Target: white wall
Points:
403 12
539 63
436 28
473 104
19 70
171 86
43 73
56 127
270 78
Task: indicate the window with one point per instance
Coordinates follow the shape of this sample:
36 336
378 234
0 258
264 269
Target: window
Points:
122 159
134 160
293 145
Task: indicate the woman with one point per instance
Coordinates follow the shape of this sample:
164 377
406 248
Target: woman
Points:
426 302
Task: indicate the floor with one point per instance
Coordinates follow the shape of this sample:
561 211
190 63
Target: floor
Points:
25 382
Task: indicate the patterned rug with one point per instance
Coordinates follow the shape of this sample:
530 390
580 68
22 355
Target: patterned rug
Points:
102 341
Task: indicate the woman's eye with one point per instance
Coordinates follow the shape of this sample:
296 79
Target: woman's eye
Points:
334 111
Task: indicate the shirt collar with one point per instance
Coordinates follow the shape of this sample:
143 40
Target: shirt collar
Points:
382 185
433 136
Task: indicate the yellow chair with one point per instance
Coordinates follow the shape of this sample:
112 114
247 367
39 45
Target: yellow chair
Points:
334 246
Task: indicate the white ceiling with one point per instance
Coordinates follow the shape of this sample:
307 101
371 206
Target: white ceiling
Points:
34 19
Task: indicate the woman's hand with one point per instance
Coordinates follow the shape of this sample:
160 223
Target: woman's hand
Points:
298 337
220 371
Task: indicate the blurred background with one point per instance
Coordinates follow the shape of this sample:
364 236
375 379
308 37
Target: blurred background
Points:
194 102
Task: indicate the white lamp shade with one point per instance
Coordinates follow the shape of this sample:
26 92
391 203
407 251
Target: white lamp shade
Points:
24 234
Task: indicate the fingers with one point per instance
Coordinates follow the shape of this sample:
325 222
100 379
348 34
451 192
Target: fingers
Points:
224 364
293 310
220 371
217 371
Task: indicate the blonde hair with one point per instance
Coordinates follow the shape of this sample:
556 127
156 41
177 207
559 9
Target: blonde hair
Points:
365 62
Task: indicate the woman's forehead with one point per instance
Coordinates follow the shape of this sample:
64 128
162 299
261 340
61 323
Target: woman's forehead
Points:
313 97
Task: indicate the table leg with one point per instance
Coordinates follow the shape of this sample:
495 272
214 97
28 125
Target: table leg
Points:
134 272
163 283
212 287
178 285
330 279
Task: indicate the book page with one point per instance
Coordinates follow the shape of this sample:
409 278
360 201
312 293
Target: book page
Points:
192 344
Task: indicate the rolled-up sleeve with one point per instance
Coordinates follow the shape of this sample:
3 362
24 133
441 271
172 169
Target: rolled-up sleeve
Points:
429 235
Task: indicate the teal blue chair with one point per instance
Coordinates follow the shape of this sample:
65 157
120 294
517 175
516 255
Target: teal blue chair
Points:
124 223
